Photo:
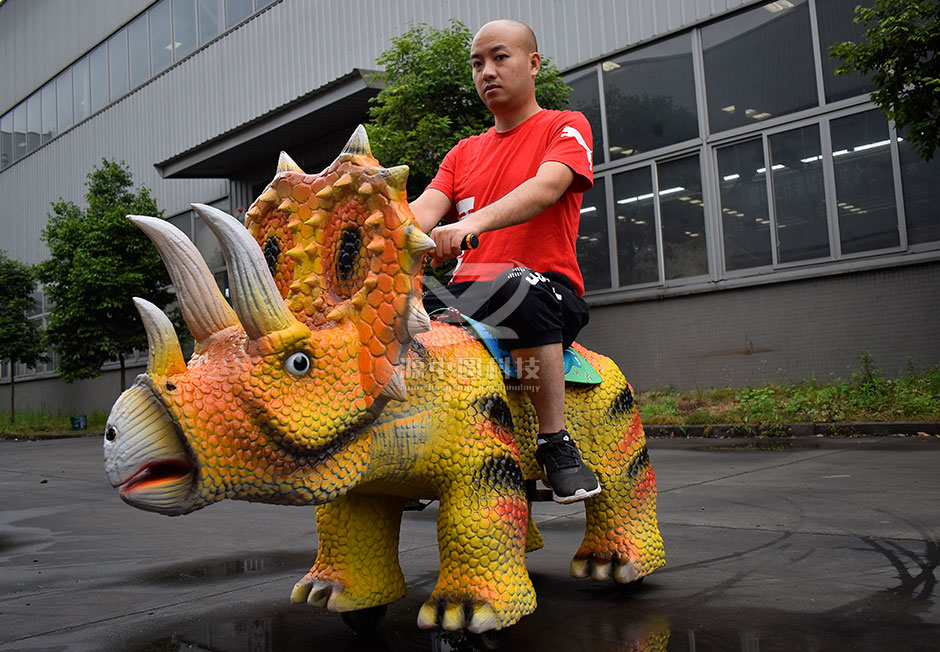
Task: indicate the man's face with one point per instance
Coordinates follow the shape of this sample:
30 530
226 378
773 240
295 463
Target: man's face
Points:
503 68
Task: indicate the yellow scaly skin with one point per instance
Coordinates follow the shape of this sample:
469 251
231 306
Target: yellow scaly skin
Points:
390 407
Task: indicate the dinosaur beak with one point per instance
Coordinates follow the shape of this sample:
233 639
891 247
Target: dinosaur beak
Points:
166 357
204 308
255 297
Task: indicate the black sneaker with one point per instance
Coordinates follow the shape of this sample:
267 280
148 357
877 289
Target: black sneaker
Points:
563 469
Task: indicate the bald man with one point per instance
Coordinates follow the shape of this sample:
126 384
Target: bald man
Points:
518 186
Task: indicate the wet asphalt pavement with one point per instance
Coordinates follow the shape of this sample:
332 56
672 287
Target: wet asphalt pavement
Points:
822 544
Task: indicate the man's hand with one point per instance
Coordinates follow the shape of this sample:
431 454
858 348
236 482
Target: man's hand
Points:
449 238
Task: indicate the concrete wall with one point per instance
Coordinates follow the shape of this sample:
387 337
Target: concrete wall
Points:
781 331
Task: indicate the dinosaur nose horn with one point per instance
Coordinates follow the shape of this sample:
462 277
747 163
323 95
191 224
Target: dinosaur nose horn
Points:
204 308
255 297
166 357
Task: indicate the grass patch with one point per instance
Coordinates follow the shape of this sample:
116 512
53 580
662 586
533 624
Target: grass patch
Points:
867 396
34 422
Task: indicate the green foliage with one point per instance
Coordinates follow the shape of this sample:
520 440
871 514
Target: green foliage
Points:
98 262
20 336
868 396
37 422
901 41
429 102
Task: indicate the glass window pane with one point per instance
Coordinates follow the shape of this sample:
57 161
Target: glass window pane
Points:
799 195
920 182
33 122
637 258
19 131
63 91
586 98
6 140
835 26
48 112
759 64
861 156
210 20
650 97
745 219
117 58
184 27
236 11
208 245
683 218
184 223
138 45
98 66
81 95
260 4
593 250
161 39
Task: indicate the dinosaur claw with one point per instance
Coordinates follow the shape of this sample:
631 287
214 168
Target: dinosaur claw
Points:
600 572
484 619
427 617
319 594
626 572
299 593
453 617
579 568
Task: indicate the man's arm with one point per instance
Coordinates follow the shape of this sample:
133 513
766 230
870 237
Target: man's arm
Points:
430 208
521 204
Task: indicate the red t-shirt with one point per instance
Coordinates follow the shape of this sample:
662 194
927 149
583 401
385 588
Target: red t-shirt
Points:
481 169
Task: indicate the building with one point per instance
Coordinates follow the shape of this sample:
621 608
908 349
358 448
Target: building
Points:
753 217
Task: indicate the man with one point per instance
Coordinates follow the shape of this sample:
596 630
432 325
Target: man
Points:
522 180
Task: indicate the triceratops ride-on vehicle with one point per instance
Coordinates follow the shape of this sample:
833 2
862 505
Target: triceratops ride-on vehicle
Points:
326 383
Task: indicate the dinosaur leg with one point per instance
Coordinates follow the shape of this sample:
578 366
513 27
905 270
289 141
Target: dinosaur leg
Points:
621 532
357 557
483 583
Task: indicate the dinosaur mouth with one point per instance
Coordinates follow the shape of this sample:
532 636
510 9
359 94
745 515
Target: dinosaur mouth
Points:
156 474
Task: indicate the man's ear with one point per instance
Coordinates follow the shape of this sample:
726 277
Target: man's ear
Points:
535 63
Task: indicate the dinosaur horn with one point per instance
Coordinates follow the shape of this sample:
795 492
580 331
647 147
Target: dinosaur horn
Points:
286 164
204 308
166 357
358 144
255 297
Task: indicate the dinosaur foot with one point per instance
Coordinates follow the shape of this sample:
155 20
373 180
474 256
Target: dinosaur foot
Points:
454 614
319 593
600 569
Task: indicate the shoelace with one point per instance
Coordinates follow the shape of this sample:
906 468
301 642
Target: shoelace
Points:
562 454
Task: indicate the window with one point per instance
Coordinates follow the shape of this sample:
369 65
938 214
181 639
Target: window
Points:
759 64
81 98
745 220
585 97
835 26
210 20
635 227
33 122
63 91
138 51
799 195
48 112
117 60
184 28
867 209
6 139
98 67
650 98
682 213
593 249
161 37
236 11
921 185
19 131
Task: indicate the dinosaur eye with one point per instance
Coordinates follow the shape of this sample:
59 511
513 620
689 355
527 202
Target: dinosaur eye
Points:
298 364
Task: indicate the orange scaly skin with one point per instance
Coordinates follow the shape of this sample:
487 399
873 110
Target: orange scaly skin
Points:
389 407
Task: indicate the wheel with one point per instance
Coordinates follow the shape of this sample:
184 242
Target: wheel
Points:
364 621
491 640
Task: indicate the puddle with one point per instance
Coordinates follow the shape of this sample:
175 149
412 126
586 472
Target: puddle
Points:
221 568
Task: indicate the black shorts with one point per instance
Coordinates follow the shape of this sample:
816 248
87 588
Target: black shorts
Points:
526 308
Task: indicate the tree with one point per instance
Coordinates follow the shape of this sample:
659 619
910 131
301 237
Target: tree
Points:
428 102
20 336
98 262
900 46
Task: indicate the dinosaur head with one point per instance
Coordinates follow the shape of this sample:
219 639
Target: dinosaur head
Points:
275 403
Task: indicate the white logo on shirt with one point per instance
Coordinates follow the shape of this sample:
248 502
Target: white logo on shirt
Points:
464 207
571 132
